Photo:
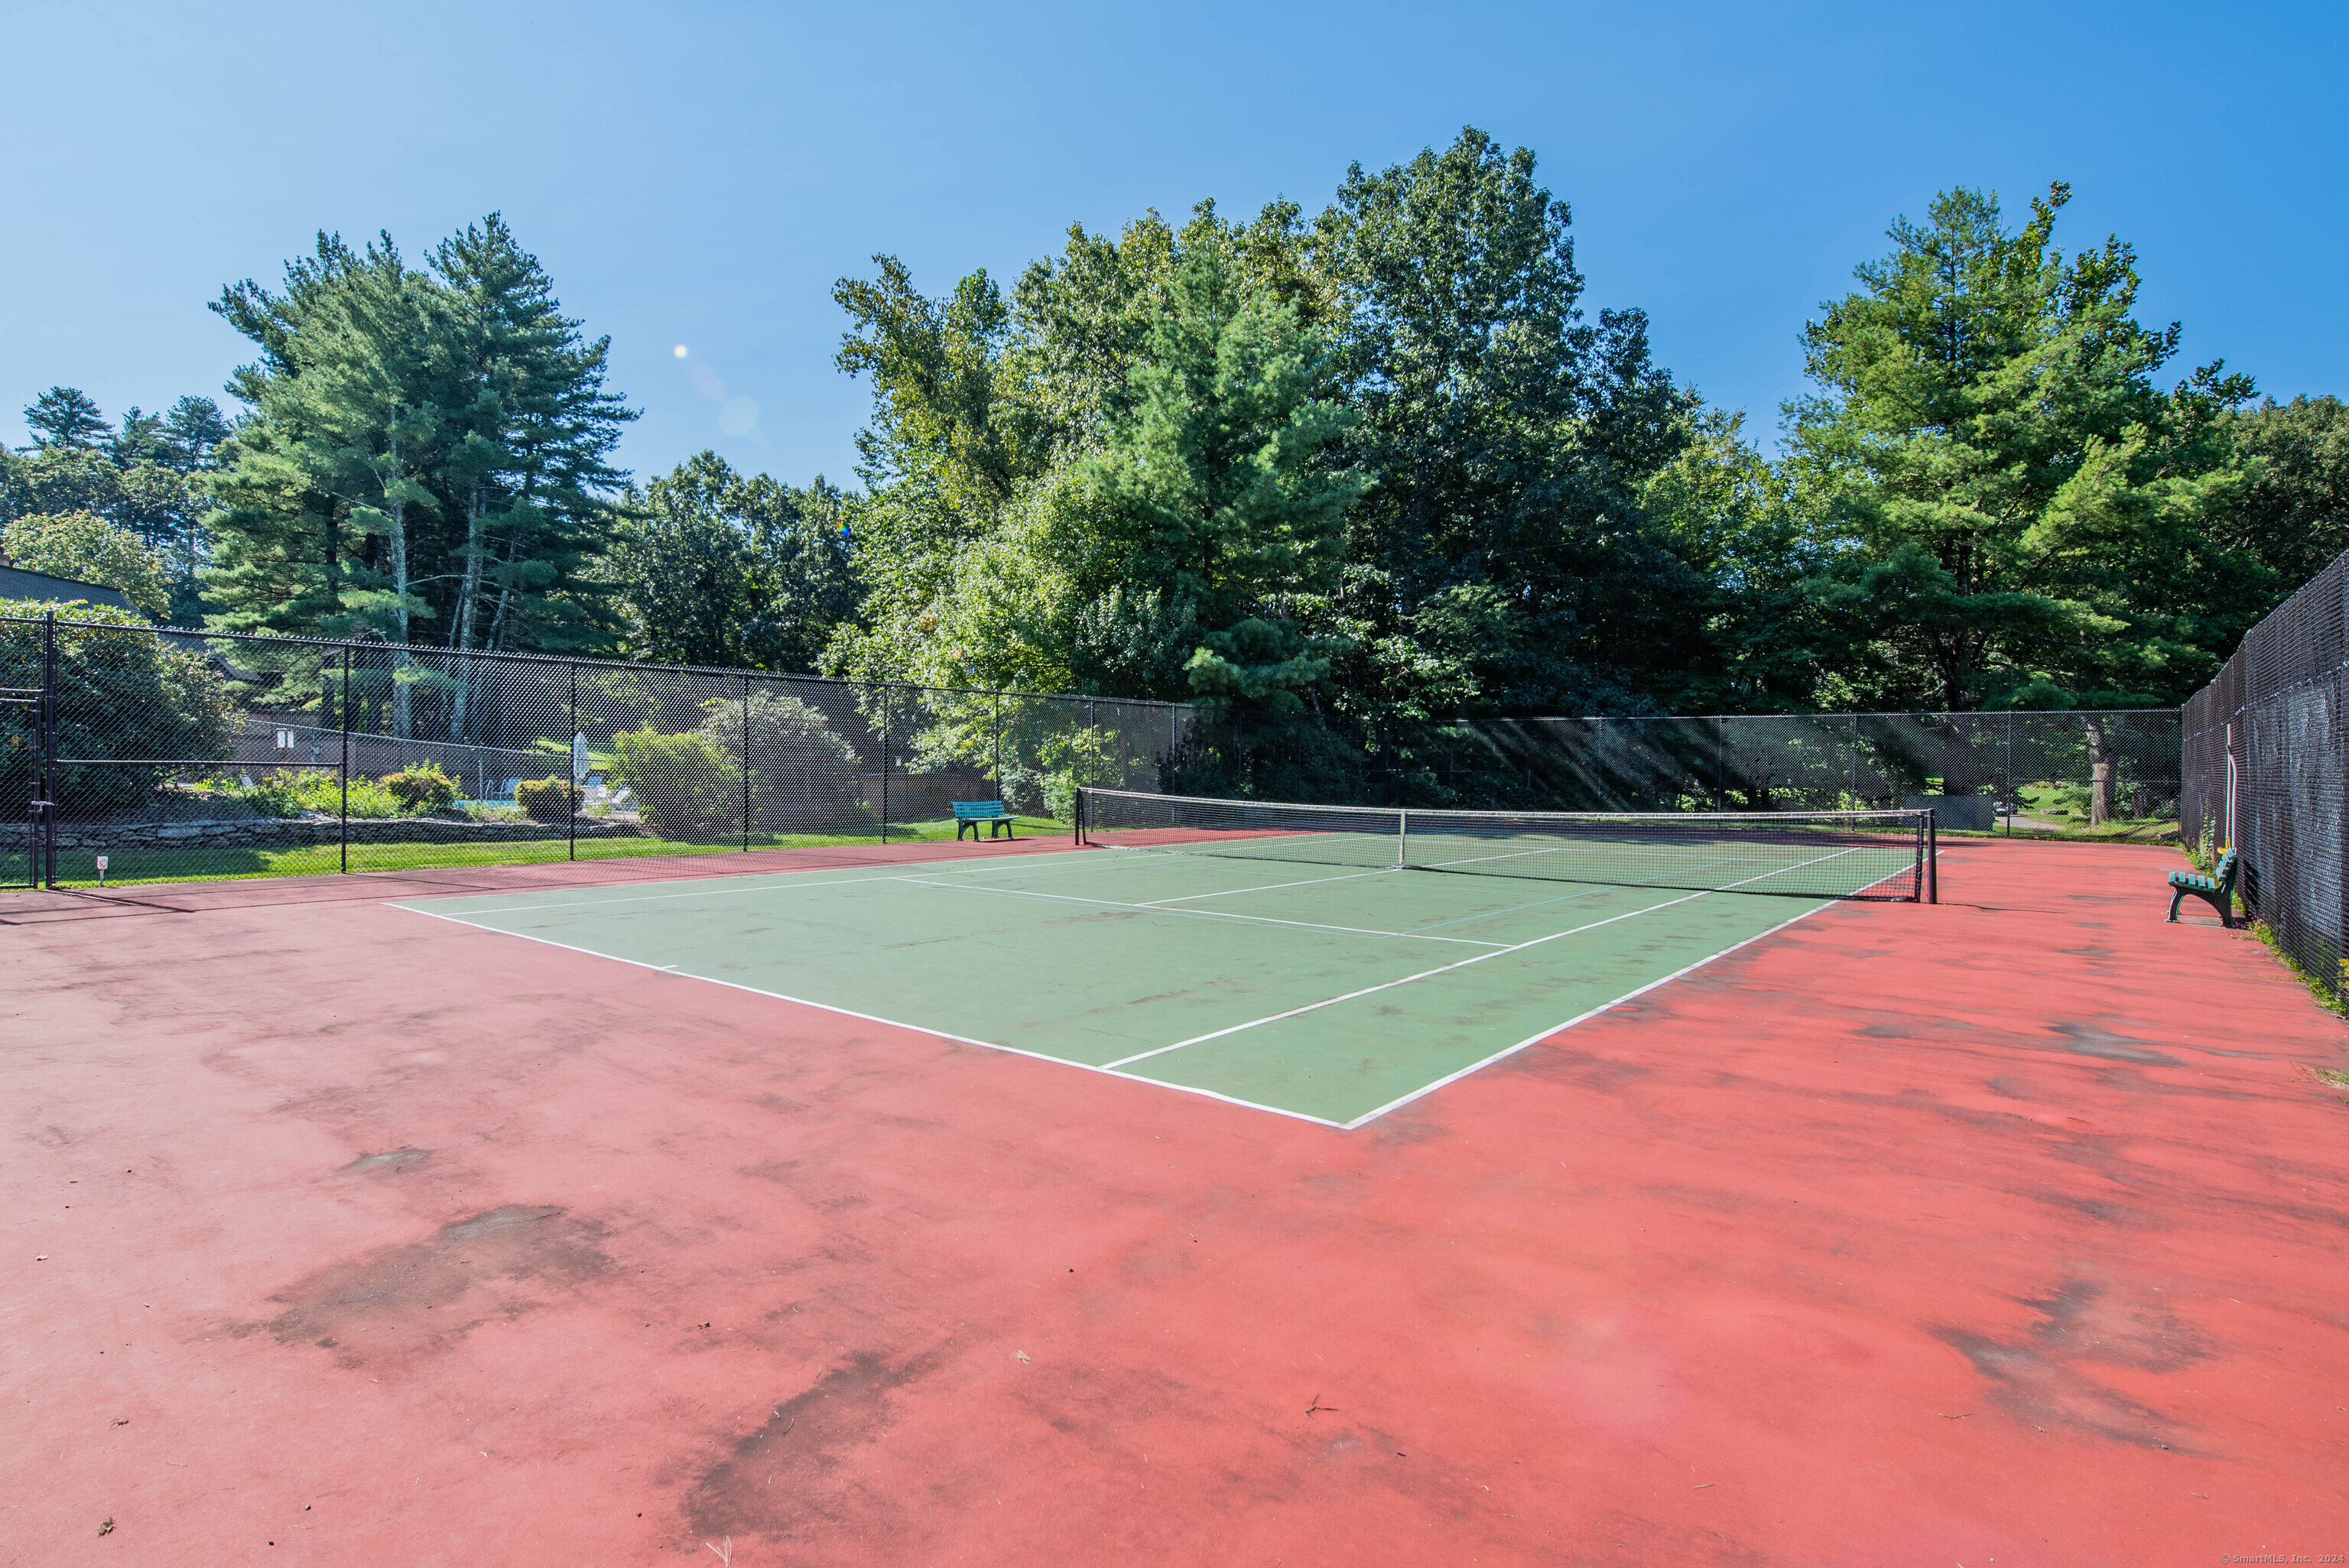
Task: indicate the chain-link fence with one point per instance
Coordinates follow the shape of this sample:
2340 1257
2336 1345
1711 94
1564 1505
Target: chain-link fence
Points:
2027 770
129 754
169 754
2267 750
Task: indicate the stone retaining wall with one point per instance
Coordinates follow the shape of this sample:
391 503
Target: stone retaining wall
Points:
284 834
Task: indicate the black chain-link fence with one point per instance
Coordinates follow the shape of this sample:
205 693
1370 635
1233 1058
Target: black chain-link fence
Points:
2267 750
169 755
2022 770
129 754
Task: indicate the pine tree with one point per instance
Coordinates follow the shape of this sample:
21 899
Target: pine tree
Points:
1212 489
426 459
68 417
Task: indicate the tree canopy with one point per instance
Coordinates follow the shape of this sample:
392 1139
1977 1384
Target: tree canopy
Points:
1380 463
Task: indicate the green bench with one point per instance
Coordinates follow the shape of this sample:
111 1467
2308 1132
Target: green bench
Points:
969 814
2218 891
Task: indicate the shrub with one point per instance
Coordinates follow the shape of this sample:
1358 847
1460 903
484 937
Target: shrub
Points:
1085 756
802 774
422 787
683 784
547 799
289 792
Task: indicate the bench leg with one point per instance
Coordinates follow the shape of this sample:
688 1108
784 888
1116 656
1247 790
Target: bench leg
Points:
1005 826
962 827
2223 902
2177 897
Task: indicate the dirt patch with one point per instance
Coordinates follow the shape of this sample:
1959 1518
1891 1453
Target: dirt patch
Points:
394 1160
2088 1040
775 1481
2043 1376
418 1295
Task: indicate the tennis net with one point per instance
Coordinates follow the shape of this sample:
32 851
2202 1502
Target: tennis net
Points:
1811 854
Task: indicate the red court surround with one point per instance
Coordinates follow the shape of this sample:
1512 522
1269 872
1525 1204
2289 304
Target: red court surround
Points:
2010 1229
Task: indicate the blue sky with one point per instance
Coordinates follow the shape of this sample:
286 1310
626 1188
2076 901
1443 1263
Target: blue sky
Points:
701 173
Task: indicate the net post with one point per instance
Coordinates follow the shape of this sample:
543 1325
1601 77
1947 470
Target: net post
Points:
1077 819
1932 858
1403 837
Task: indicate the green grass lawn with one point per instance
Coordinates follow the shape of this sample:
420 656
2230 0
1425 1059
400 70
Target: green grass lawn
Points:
2062 813
77 868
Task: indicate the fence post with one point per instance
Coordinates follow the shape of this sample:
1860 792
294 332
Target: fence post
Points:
344 825
571 796
746 762
2010 773
48 849
885 768
1721 762
1855 761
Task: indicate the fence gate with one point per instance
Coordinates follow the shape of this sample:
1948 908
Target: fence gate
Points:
26 779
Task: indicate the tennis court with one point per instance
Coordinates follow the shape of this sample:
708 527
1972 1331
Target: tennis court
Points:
1330 964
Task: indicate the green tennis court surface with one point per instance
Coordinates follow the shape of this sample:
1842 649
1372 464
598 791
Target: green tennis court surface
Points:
1332 993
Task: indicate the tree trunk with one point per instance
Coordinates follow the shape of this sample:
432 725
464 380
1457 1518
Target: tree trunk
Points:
469 595
2101 774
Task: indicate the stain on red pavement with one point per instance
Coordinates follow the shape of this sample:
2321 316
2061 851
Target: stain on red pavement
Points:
2010 1228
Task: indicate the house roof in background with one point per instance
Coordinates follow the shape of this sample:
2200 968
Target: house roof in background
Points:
15 582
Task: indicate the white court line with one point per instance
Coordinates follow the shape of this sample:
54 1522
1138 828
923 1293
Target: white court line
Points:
1446 969
1267 887
1369 1116
1390 984
739 878
1198 913
876 1018
1113 1068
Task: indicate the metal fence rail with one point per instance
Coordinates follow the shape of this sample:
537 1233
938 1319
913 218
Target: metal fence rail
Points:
2266 755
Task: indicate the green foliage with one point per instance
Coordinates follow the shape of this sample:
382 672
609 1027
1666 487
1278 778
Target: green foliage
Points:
87 549
67 417
148 477
1148 472
983 546
801 772
120 692
1087 757
710 568
549 799
1369 468
2292 517
424 457
1212 490
2021 515
422 787
294 793
1502 559
686 785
